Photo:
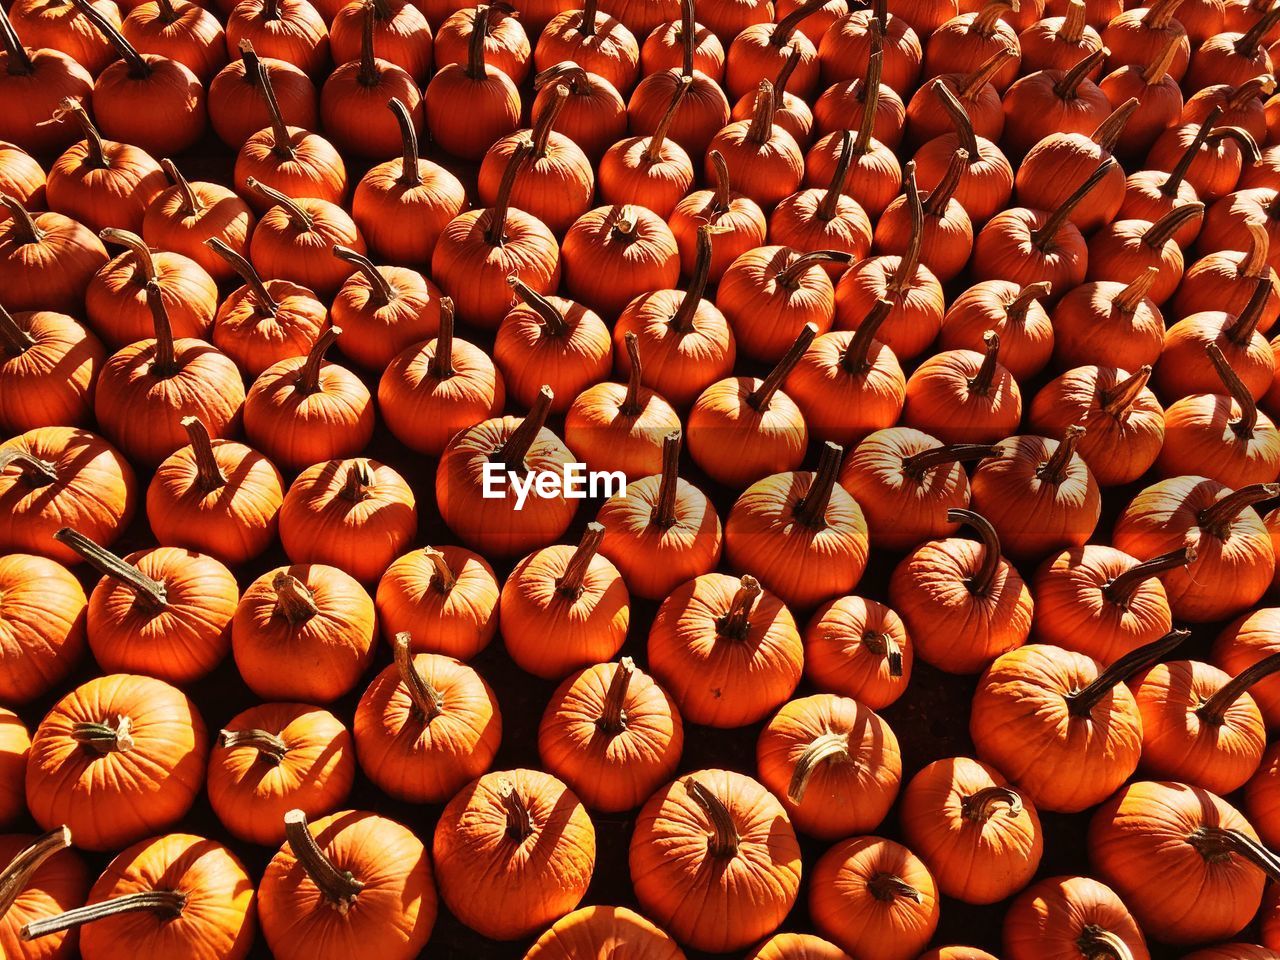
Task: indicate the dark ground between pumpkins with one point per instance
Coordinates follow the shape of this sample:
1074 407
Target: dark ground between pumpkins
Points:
931 720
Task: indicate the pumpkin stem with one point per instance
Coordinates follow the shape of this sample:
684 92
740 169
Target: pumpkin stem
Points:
427 700
270 10
35 472
1119 398
139 69
148 590
663 514
191 204
553 321
1246 322
828 746
1015 311
571 582
15 340
886 888
682 319
884 645
442 578
1067 87
1254 263
1252 89
720 197
724 839
940 196
24 228
95 146
1080 703
959 117
1214 710
856 359
1095 943
789 276
1109 130
1178 174
1044 236
587 21
981 806
281 141
138 247
737 619
631 405
294 601
271 747
298 215
15 877
520 825
1074 22
1159 233
103 738
688 38
980 583
1158 68
1248 146
166 903
410 175
339 887
971 84
760 129
1243 425
985 20
252 280
495 232
19 65
980 382
623 229
1217 844
786 27
546 120
515 448
1217 519
369 73
1128 300
359 480
811 509
1160 13
831 199
209 475
870 103
1054 470
475 47
381 289
780 82
904 273
1121 588
566 72
917 465
613 715
653 152
760 398
308 381
252 63
441 366
1248 43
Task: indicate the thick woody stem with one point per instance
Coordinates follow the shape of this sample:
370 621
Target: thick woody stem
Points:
166 903
980 383
940 196
410 174
1080 703
1216 520
382 290
23 229
1214 710
1255 263
1243 425
1158 68
359 483
870 103
495 233
959 117
1109 130
1250 41
1044 236
1128 300
1015 311
281 142
721 196
20 63
1178 174
302 220
1095 943
761 396
293 600
981 806
919 464
786 27
441 366
985 20
1123 395
653 152
1054 470
475 46
663 514
252 279
308 381
19 871
368 74
723 841
553 320
137 247
427 701
190 202
904 274
631 405
103 738
547 119
971 85
270 746
980 583
1066 88
520 825
209 475
613 715
13 338
339 887
1246 322
811 509
138 68
1074 22
149 591
688 38
886 888
1160 232
828 746
737 619
831 199
760 129
516 447
95 146
443 579
856 359
682 319
572 581
1217 844
789 276
1121 588
780 82
885 645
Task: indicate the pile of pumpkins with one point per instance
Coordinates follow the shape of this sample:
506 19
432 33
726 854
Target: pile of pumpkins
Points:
924 333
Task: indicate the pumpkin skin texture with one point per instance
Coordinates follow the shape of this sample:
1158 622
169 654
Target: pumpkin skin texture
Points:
714 860
1177 832
15 745
276 757
858 648
60 882
726 650
117 796
445 598
1049 918
514 850
62 477
981 839
874 898
1262 798
42 626
426 726
1242 644
792 756
390 917
612 734
797 946
304 633
604 933
48 368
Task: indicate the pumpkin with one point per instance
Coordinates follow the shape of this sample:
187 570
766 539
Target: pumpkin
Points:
1185 367
594 117
425 726
506 43
48 366
961 396
819 219
400 31
303 410
979 837
662 531
514 446
613 254
60 26
763 158
119 758
1218 156
1151 194
738 223
966 40
1128 247
791 112
1227 279
1053 102
445 598
840 106
650 170
759 50
1108 323
597 42
615 930
184 32
15 747
41 877
714 859
1068 917
276 757
927 116
164 612
350 859
38 78
612 734
42 627
485 845
237 108
1242 106
663 49
1056 42
46 260
303 633
946 233
1199 842
1242 644
874 898
1260 803
289 30
295 238
1234 560
1014 312
1232 57
1134 35
1041 709
817 752
1101 602
54 477
146 389
383 310
185 217
433 389
847 46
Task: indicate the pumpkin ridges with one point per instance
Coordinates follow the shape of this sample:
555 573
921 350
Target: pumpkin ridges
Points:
340 888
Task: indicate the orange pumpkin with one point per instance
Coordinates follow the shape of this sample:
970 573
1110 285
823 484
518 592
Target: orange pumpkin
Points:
383 310
491 99
738 222
49 364
595 40
445 598
1243 644
1066 917
771 293
651 170
613 254
289 30
986 186
15 747
42 627
1109 324
1014 312
797 946
594 117
237 108
858 648
40 877
825 218
187 216
1186 368
961 396
1261 797
295 238
617 931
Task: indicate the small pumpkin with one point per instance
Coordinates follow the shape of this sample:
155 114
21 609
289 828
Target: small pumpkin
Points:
961 396
1014 312
594 117
1059 39
383 310
613 254
237 109
945 234
445 598
505 40
1242 644
46 260
295 238
187 215
738 222
825 218
593 929
48 367
42 628
401 32
847 47
182 31
37 80
289 30
593 39
1185 366
927 117
1071 916
650 170
1108 323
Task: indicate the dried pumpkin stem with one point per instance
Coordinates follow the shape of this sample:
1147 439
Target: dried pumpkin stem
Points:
653 151
103 738
271 747
1158 68
410 174
441 366
663 514
1128 300
166 903
720 197
982 580
682 319
516 447
886 888
95 146
980 383
495 232
1095 943
917 465
24 229
427 700
587 21
368 75
830 204
760 129
1108 132
1255 261
252 279
789 276
811 509
520 825
308 381
988 16
940 196
138 67
147 589
1068 86
828 746
1244 425
281 141
1246 322
209 475
571 582
1123 395
904 274
294 601
296 212
1217 844
885 645
358 486
1042 237
1016 310
1217 519
1080 703
780 82
1253 89
252 64
339 887
631 405
870 103
787 26
1054 470
760 398
724 839
856 359
19 63
381 289
553 320
14 339
613 715
1178 174
547 119
1160 13
1074 22
688 38
1214 710
191 204
146 265
19 871
981 806
35 472
475 45
1248 146
1160 232
970 86
1121 588
737 619
443 579
1249 42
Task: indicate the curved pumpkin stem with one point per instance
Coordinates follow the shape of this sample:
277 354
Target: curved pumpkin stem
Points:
1243 138
495 233
294 601
1256 88
1066 88
780 82
1160 13
721 195
1254 264
1158 68
308 381
830 204
369 73
566 72
1128 300
1054 470
443 579
653 151
95 146
971 84
980 583
165 364
24 228
441 366
960 121
1123 395
1121 588
1214 710
19 871
516 447
520 825
382 291
688 38
301 220
1217 844
138 68
724 839
982 806
1246 322
760 398
1074 22
148 591
35 472
829 746
613 715
682 319
191 204
811 509
870 103
541 133
209 475
1160 232
13 338
760 129
1080 703
980 383
884 645
1042 237
787 26
475 45
166 903
281 140
663 514
20 65
1216 519
917 465
886 888
631 405
905 272
339 887
1169 189
410 174
271 747
427 701
1242 426
587 21
737 619
1016 310
553 321
1108 132
789 276
1095 943
940 196
570 583
1249 42
252 279
103 738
